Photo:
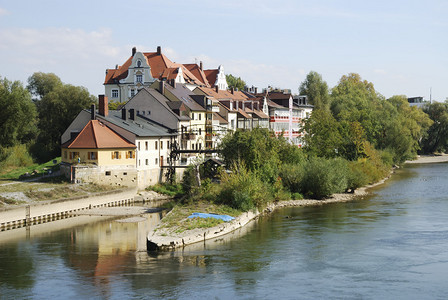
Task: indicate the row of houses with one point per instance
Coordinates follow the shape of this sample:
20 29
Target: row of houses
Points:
166 105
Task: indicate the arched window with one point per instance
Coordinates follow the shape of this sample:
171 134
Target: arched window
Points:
139 63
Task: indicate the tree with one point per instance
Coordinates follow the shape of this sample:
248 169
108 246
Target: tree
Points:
322 136
436 139
316 89
234 82
17 114
40 84
57 109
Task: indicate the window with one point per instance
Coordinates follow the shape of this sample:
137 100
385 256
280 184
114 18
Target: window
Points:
138 146
107 173
146 145
139 163
157 161
91 155
155 145
116 155
200 116
74 155
114 94
139 63
132 92
125 173
192 116
161 145
167 144
139 78
146 162
130 154
200 131
149 112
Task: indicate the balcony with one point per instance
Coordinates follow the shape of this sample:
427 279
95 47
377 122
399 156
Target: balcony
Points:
189 136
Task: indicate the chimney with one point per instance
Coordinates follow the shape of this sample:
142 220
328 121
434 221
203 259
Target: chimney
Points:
162 87
173 83
134 50
232 90
103 106
256 90
92 112
252 105
200 65
132 114
216 88
159 50
123 114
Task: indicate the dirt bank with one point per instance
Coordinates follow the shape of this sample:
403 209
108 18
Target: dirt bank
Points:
429 159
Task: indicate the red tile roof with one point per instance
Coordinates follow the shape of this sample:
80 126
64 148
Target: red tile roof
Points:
211 76
198 73
96 135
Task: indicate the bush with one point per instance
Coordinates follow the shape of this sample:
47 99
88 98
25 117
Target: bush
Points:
292 177
323 177
15 156
243 190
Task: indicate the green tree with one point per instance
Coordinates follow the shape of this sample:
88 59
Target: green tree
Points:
17 114
40 84
436 139
57 109
316 89
322 137
234 82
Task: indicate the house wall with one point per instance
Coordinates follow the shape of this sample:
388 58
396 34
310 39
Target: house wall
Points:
104 157
101 175
76 126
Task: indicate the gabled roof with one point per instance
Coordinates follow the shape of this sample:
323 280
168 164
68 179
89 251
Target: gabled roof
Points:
211 76
260 114
182 93
244 114
140 126
223 94
198 73
218 117
96 135
161 68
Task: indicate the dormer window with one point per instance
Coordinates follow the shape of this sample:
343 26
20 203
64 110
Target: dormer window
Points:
139 63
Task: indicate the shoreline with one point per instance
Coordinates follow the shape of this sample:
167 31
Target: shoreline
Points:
429 159
165 239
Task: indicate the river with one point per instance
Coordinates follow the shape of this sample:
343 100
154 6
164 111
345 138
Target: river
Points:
391 245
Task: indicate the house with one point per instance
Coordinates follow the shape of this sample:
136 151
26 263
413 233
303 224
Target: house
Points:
141 69
151 140
99 155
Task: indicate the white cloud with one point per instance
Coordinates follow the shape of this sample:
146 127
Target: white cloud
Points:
78 57
3 12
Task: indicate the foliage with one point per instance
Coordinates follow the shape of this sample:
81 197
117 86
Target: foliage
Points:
436 139
190 185
173 190
17 114
14 170
243 189
57 109
40 84
235 82
324 177
15 156
292 177
322 136
114 105
316 89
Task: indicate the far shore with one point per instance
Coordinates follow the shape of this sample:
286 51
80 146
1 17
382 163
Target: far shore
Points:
429 159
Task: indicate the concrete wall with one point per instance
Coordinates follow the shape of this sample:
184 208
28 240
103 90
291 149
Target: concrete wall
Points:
102 175
60 208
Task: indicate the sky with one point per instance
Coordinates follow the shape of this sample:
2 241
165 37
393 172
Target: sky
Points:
401 46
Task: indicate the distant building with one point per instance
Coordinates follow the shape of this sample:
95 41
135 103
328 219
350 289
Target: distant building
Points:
417 101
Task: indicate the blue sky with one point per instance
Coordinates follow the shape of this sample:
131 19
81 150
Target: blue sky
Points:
400 46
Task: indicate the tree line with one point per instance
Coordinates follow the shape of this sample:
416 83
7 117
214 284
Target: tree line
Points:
33 117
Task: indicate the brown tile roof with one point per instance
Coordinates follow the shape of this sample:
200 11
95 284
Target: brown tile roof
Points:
96 135
223 94
211 76
244 114
260 114
198 73
218 117
161 68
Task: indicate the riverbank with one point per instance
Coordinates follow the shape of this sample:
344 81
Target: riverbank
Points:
163 239
429 159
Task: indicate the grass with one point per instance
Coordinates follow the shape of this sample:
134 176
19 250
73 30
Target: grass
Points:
178 220
173 190
15 172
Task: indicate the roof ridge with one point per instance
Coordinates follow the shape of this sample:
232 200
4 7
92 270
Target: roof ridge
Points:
94 132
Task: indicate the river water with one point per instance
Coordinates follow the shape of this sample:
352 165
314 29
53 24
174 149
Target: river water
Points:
390 245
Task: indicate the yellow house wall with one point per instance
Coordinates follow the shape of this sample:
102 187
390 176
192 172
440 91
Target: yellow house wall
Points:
104 157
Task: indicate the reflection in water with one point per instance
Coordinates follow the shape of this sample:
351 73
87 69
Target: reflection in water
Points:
389 245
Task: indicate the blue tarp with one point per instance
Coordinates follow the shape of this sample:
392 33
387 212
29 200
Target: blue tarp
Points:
225 218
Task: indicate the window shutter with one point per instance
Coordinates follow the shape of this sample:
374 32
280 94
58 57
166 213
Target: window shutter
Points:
127 154
119 155
112 154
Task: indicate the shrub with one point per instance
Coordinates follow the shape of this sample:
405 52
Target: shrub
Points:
292 177
243 190
15 156
324 177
